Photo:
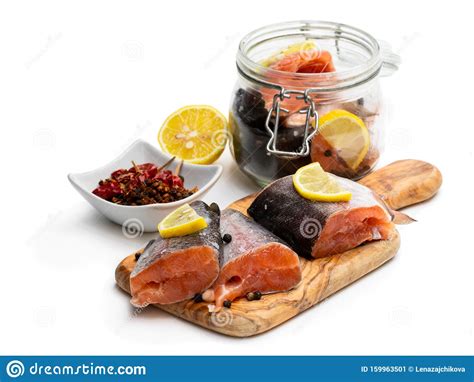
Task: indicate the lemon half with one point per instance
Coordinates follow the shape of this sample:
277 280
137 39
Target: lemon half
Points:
196 134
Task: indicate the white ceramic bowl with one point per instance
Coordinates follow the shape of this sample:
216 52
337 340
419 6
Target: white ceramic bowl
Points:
143 218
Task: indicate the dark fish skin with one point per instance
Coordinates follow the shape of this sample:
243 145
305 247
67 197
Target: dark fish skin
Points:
207 237
279 210
246 235
300 221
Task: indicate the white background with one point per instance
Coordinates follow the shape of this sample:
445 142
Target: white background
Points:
80 81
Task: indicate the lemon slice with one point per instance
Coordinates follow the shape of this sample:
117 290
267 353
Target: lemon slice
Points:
182 221
313 183
347 134
196 134
300 47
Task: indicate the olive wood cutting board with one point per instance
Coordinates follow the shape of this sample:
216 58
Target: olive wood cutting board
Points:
400 184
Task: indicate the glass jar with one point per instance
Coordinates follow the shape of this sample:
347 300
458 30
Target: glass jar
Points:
327 110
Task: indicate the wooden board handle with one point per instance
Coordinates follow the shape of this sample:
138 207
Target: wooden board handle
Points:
404 182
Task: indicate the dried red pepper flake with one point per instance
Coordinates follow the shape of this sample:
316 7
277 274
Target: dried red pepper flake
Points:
143 184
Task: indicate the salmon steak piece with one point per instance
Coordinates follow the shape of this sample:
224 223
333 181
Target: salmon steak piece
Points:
313 61
254 260
176 269
320 229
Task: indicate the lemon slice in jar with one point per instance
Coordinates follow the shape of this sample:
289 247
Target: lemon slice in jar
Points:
182 221
196 134
301 47
347 134
313 183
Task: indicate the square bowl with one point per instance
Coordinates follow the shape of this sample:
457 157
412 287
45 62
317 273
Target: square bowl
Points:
137 219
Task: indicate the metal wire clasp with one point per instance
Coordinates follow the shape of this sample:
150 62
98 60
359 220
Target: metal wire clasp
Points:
309 110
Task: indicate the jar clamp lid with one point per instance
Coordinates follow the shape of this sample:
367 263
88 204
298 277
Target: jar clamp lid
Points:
309 110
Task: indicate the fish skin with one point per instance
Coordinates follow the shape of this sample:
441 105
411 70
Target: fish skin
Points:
299 221
163 249
401 218
259 260
235 223
397 216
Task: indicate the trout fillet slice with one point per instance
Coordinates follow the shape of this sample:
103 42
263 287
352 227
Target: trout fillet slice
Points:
254 260
175 269
320 229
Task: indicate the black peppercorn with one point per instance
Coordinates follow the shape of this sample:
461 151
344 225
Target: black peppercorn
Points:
227 238
215 208
227 304
252 296
327 153
198 297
